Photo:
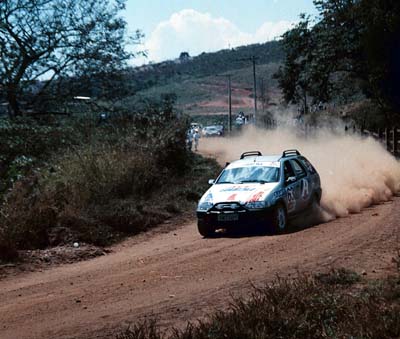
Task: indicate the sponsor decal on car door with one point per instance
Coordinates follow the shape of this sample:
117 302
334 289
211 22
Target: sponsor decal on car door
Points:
293 190
296 190
304 185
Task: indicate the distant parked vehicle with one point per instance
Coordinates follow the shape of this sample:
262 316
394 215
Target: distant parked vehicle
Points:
213 131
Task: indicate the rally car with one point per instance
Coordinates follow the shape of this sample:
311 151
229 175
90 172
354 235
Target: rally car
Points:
259 190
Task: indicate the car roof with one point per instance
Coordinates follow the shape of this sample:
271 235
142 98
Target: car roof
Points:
248 161
274 160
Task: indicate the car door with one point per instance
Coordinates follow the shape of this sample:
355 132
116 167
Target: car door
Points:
305 185
293 188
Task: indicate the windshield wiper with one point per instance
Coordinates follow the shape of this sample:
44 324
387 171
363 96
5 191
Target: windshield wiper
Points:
260 181
226 182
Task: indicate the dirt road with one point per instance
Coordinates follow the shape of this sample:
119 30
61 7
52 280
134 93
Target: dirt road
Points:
178 276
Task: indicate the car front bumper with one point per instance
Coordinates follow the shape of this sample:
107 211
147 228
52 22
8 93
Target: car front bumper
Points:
232 219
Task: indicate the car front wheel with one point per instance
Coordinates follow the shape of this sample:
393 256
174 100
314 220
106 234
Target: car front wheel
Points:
205 229
279 219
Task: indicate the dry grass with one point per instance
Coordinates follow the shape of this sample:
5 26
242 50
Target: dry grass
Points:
299 308
99 196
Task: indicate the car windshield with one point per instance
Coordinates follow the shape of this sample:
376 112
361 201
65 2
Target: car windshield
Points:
239 175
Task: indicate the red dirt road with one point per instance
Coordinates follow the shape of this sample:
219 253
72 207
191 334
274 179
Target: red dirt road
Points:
178 276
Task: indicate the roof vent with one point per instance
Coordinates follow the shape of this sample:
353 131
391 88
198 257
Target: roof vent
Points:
251 154
290 152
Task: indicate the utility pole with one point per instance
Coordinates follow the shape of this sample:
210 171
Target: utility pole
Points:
229 100
230 103
253 58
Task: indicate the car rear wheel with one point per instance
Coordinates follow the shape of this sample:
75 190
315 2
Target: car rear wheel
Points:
205 229
315 204
279 219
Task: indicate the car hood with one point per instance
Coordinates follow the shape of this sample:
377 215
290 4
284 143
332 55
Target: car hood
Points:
238 192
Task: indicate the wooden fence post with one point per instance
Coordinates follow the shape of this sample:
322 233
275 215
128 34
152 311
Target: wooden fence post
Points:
395 141
387 139
380 134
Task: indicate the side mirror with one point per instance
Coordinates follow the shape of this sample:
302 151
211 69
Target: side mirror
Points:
290 180
211 181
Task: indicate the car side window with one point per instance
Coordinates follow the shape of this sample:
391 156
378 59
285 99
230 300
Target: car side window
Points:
298 169
308 165
288 170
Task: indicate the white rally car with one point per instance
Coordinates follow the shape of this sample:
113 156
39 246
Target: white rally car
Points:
259 190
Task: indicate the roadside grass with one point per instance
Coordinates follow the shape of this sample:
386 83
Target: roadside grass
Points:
304 307
105 182
99 198
340 276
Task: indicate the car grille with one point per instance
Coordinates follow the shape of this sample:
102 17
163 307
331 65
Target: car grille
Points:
227 206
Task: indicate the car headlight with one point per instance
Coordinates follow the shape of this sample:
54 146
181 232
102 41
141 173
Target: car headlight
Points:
204 206
257 205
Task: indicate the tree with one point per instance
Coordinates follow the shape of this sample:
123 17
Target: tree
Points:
381 47
184 56
363 38
295 76
355 44
45 40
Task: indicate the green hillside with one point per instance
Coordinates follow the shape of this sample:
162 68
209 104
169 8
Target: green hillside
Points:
201 83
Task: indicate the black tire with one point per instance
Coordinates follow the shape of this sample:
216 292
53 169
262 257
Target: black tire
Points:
314 211
279 221
315 204
206 230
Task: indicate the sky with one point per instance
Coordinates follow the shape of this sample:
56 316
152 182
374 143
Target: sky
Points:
195 26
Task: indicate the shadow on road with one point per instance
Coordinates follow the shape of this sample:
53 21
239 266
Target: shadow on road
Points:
296 224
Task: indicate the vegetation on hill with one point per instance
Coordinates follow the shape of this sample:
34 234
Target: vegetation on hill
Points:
204 65
209 94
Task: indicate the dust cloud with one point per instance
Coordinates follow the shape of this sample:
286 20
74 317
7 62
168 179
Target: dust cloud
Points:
356 172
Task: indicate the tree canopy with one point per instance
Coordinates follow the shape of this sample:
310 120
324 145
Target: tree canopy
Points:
352 43
43 40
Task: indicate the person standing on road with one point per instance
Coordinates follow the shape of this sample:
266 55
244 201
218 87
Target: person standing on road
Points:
196 137
189 139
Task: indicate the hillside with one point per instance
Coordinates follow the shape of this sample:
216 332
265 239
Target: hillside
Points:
201 83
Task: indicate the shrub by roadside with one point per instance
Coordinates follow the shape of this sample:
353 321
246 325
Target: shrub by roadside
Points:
301 308
118 194
27 143
98 195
